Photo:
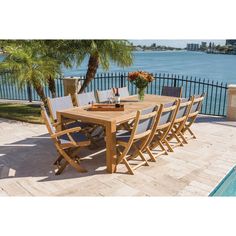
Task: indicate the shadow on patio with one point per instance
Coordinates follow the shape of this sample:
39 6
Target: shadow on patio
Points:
34 157
219 120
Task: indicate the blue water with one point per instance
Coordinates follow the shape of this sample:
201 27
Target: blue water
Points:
227 187
216 67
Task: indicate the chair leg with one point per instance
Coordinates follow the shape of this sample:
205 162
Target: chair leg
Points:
71 161
170 149
152 158
183 138
61 168
178 140
163 151
128 166
58 160
143 158
191 132
162 147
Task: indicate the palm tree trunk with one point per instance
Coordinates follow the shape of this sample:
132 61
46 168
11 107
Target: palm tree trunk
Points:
52 86
39 89
91 72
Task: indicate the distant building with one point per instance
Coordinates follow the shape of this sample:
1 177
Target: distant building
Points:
203 44
231 42
192 46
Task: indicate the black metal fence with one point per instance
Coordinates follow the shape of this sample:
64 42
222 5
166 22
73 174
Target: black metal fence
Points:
214 102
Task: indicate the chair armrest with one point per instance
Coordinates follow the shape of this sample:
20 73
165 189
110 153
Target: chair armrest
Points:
66 131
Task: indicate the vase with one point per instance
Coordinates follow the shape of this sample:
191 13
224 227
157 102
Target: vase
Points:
141 93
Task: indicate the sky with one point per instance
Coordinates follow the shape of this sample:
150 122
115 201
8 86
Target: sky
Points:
175 43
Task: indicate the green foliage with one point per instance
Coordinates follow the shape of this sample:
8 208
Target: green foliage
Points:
140 82
29 66
35 62
38 62
102 52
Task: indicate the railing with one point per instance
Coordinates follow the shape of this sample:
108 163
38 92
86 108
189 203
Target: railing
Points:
214 102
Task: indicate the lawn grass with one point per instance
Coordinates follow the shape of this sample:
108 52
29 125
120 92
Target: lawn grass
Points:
22 112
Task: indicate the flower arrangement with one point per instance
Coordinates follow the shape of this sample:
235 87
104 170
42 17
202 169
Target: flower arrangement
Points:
140 79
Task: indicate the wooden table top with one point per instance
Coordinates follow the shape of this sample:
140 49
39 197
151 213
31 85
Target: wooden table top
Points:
131 105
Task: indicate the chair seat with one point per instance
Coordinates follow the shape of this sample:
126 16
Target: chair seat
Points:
78 137
97 131
123 136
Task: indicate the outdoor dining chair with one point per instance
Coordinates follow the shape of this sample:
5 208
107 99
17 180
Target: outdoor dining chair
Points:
67 143
97 131
59 103
104 95
62 103
124 92
171 91
83 99
195 110
130 143
180 119
162 126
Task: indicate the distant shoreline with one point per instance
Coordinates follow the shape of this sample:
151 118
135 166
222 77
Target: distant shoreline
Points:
149 50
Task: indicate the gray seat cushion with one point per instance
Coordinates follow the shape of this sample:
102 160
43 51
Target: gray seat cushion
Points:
78 137
123 136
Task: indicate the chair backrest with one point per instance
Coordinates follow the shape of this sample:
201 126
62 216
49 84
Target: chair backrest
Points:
47 120
124 92
84 99
167 113
144 122
104 95
184 109
164 120
197 104
171 91
60 103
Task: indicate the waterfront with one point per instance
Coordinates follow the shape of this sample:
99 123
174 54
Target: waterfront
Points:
209 66
215 67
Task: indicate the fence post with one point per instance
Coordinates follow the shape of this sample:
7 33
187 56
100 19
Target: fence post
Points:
121 81
231 107
175 82
29 92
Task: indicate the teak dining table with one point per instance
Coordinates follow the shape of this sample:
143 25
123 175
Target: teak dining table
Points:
110 119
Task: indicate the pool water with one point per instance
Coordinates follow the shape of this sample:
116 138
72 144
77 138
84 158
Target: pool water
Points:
227 187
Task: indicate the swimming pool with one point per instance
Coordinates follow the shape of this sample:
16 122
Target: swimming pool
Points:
227 187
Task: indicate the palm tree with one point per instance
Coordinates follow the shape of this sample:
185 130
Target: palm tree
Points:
56 51
29 67
44 58
60 52
102 52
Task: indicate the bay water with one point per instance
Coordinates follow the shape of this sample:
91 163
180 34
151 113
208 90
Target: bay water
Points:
217 67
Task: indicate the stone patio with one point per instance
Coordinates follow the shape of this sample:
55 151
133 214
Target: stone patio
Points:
27 155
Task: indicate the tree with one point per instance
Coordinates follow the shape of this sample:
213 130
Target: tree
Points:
59 51
153 45
29 67
24 55
56 51
101 52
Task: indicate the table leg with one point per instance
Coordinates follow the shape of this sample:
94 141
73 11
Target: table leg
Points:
111 147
